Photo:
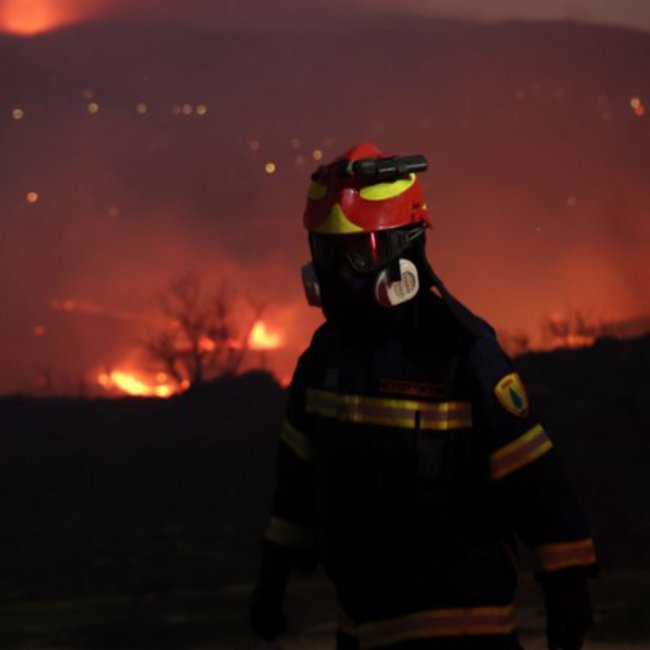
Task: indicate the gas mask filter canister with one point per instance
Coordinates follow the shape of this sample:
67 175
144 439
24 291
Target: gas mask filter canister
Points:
391 294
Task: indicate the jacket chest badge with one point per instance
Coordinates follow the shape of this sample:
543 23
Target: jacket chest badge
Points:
512 396
438 390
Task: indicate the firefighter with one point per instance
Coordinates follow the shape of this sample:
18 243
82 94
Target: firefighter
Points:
409 458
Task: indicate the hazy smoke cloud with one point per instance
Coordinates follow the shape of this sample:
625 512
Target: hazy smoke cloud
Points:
537 181
319 14
631 13
297 13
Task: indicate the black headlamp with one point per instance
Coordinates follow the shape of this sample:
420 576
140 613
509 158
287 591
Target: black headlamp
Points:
378 170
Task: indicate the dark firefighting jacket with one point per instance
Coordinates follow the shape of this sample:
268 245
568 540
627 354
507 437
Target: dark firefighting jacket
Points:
410 458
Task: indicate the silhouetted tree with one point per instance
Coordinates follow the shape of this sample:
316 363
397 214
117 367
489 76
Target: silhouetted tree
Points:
201 340
575 328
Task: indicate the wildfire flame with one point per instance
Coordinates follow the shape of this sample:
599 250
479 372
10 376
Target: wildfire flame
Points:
137 384
262 338
206 344
132 384
573 341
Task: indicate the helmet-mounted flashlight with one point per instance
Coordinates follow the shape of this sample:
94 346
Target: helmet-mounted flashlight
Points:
378 170
382 170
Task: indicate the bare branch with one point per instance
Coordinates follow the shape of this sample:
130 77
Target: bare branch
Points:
202 340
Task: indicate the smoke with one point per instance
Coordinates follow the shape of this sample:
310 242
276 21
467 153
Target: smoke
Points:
629 13
297 14
538 201
34 16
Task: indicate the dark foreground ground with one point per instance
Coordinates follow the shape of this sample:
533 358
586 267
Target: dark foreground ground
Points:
135 523
216 620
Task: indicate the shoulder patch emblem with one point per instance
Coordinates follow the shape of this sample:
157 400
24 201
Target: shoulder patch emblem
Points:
512 396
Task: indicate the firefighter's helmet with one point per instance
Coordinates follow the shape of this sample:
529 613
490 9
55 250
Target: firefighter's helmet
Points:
364 210
364 191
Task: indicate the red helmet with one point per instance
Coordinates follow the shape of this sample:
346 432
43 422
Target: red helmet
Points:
365 216
365 191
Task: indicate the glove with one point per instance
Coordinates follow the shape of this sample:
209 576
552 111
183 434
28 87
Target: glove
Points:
569 611
265 606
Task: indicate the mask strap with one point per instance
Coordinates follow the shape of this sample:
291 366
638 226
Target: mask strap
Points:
394 271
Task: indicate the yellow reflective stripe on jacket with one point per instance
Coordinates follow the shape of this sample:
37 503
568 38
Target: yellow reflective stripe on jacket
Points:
553 557
407 414
456 622
287 533
519 453
296 440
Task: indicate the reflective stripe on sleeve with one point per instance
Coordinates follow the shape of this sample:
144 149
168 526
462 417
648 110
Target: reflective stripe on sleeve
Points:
286 533
406 414
553 557
458 622
297 441
519 453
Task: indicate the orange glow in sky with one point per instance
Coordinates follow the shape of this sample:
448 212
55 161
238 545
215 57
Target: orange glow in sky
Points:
29 17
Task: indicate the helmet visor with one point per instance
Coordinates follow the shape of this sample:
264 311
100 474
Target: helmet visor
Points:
363 252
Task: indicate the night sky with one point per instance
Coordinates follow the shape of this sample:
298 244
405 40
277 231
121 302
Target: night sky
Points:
141 140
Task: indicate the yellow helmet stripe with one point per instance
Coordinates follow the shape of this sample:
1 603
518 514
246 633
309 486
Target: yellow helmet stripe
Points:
383 191
337 223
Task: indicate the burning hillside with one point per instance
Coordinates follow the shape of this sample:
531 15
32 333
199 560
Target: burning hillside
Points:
138 382
165 147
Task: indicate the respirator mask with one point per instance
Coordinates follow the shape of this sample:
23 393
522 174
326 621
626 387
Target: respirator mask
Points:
357 273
